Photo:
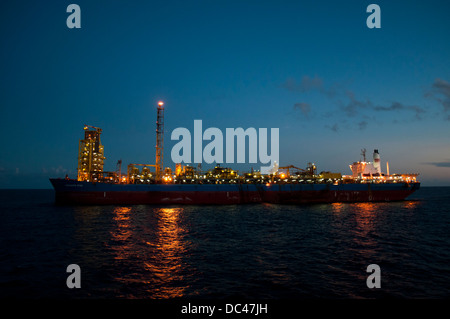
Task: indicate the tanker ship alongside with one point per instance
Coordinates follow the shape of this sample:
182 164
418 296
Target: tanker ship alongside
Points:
190 185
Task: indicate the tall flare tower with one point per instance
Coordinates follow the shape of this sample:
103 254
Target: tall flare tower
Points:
159 141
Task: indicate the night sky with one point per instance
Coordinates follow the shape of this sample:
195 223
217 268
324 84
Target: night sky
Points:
313 69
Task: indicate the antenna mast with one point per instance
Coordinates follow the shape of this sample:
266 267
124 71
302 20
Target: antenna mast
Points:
363 153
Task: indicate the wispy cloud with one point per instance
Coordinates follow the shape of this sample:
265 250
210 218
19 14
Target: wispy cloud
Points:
334 127
362 125
308 84
304 108
397 106
440 91
353 106
361 109
439 164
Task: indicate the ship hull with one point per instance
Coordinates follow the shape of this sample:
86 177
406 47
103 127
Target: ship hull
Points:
86 193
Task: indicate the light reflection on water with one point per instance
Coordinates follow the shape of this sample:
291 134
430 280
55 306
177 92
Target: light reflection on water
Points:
255 251
121 215
153 248
261 250
365 217
169 249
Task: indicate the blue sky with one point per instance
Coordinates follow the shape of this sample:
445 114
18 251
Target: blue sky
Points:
312 69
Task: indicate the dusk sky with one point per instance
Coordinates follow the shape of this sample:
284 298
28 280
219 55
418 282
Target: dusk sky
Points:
313 69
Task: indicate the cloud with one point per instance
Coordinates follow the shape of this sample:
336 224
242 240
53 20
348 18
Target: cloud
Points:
362 125
353 106
360 110
440 91
439 164
396 106
305 108
56 171
307 84
334 127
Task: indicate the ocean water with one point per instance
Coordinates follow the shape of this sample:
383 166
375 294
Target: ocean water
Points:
248 251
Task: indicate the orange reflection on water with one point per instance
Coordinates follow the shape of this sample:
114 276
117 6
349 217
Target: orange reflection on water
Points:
337 207
365 217
411 204
123 231
150 245
169 248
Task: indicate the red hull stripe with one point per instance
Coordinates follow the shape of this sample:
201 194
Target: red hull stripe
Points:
202 198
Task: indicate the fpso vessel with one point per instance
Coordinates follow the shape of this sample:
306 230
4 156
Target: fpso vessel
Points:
82 192
190 185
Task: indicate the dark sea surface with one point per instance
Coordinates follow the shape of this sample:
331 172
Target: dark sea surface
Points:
248 251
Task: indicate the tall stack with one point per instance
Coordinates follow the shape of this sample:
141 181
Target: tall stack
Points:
159 141
376 161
